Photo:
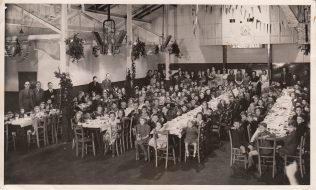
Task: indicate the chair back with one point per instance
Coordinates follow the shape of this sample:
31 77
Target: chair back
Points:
266 147
301 145
126 124
78 131
164 133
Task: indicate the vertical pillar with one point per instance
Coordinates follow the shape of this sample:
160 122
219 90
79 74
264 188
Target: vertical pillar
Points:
64 34
167 55
269 50
129 30
225 56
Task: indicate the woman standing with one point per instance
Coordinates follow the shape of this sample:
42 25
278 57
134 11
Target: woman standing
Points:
239 78
246 79
211 78
224 77
264 80
231 77
219 78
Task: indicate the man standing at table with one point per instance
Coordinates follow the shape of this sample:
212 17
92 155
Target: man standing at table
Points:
38 94
106 83
50 93
26 97
94 86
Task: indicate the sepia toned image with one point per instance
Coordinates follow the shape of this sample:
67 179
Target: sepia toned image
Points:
157 94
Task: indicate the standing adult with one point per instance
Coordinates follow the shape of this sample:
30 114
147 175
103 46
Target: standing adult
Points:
255 82
94 86
38 94
231 77
305 78
26 97
50 93
106 83
239 77
285 79
264 80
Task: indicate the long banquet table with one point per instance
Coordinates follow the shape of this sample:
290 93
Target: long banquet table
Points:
278 117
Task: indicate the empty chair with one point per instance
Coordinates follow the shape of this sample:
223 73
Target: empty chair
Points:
266 148
235 153
39 134
126 133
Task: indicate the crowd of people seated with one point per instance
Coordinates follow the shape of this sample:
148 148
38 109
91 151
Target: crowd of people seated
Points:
159 101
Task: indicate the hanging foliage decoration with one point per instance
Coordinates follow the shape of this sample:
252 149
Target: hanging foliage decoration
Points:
174 49
138 50
65 88
75 47
18 48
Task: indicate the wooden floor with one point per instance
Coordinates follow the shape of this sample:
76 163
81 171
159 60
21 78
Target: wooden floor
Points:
57 164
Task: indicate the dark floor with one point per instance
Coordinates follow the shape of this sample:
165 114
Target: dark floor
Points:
58 164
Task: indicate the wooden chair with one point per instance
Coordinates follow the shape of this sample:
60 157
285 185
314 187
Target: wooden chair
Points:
55 118
119 141
9 138
298 156
59 126
82 141
131 132
199 145
40 133
266 148
134 132
164 152
235 153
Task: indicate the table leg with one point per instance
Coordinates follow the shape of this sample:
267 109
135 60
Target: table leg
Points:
180 156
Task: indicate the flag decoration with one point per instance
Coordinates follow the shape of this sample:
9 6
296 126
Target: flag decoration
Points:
195 21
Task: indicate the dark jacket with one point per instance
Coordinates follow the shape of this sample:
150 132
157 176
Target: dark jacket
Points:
94 87
290 144
50 95
26 98
38 96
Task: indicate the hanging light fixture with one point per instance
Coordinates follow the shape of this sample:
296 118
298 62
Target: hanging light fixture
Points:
108 34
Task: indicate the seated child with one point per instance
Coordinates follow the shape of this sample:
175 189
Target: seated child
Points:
238 136
111 134
191 138
260 132
161 140
142 136
290 141
98 112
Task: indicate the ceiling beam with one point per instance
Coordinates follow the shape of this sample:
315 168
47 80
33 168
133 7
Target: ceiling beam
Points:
115 15
151 11
40 20
290 16
35 37
143 11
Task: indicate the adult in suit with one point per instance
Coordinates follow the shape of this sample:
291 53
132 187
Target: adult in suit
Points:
26 97
285 79
50 93
38 94
106 83
94 86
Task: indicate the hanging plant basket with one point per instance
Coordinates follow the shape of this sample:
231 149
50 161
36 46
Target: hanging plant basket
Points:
75 47
174 49
138 49
18 48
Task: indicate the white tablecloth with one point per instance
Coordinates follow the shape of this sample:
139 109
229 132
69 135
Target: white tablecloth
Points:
100 123
175 126
23 122
278 117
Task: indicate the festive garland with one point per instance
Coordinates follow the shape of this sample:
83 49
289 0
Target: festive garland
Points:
138 49
75 47
65 88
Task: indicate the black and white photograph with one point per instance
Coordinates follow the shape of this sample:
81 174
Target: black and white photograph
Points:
157 94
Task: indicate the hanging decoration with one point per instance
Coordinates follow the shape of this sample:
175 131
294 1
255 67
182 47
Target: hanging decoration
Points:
174 49
17 48
75 47
95 49
195 21
138 49
65 89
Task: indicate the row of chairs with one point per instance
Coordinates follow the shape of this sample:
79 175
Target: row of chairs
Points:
265 160
48 129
